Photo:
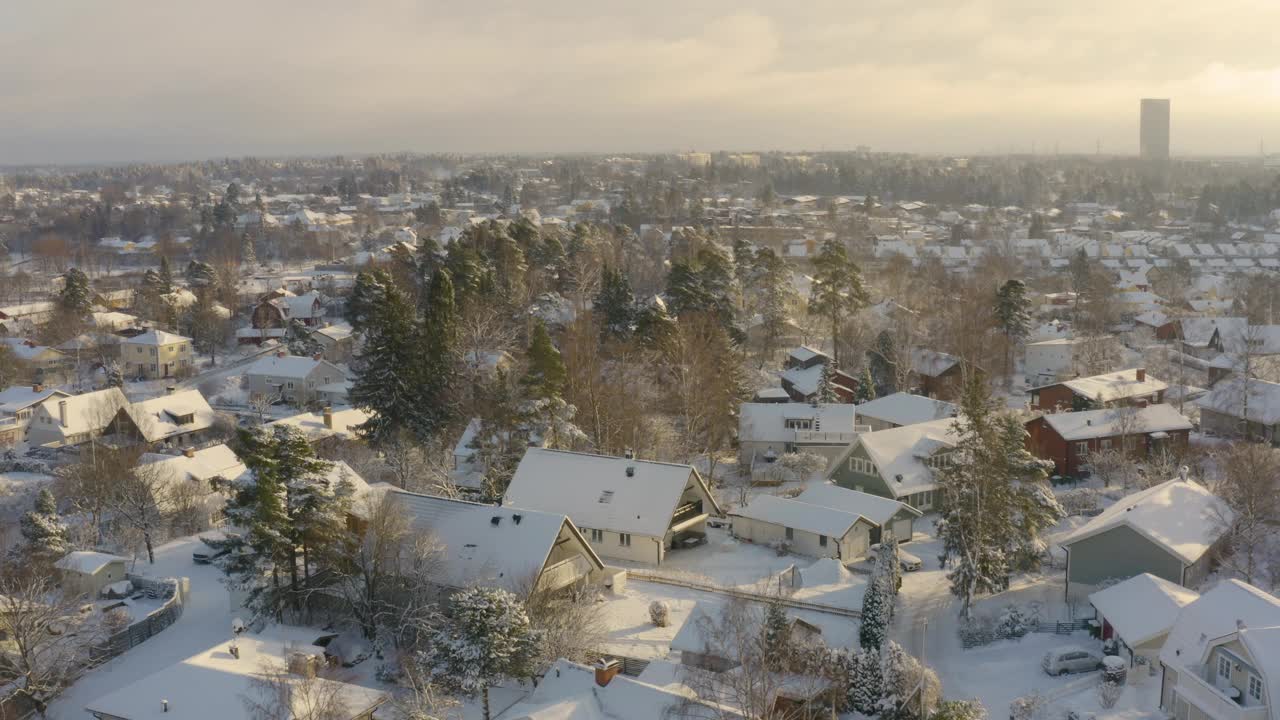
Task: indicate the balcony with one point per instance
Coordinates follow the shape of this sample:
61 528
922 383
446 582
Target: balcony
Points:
1196 687
822 437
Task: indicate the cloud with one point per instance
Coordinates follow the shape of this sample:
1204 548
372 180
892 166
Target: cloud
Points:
134 79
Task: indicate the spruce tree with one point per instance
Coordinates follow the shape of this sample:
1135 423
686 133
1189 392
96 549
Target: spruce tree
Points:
826 392
776 636
882 365
615 305
865 687
875 614
866 391
44 534
76 299
385 383
436 369
546 375
165 276
367 295
1013 317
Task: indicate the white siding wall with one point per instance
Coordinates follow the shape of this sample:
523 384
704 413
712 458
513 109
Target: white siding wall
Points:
852 546
644 548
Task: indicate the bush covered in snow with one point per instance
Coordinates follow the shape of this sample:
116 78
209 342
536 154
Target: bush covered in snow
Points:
977 630
1028 707
1013 622
803 465
960 710
660 613
12 462
1109 693
1080 501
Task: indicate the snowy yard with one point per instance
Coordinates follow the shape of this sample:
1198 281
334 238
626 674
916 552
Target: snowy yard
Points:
725 560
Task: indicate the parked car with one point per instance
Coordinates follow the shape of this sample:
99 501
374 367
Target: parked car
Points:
1071 659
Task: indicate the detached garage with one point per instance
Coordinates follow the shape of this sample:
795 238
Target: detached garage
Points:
824 521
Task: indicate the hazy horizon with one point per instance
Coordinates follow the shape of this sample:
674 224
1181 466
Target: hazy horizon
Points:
133 81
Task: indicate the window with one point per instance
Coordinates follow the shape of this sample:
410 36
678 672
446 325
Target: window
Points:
1105 443
290 386
1255 687
859 465
606 497
1035 399
822 541
597 535
1224 667
1082 448
798 424
624 539
791 534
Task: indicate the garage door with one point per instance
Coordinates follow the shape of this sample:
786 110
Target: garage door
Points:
902 529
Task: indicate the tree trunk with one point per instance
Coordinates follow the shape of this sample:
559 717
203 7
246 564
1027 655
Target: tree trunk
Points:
151 552
485 700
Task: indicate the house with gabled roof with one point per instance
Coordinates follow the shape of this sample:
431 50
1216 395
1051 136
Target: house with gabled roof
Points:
902 408
1221 660
899 463
1167 530
176 419
767 431
295 379
17 404
1138 614
938 374
156 354
629 509
67 421
1242 408
824 521
513 548
1131 387
1070 438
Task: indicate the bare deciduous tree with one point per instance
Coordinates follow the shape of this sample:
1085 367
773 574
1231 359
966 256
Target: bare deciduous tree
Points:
1249 483
47 639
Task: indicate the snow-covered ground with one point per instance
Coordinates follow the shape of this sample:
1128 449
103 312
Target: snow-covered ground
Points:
725 560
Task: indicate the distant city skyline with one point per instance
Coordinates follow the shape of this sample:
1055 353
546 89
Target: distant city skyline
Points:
90 82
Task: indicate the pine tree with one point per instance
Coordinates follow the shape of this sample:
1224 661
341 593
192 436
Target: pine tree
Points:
882 365
775 637
1013 317
615 305
826 393
200 274
248 253
367 295
44 534
165 276
487 640
837 292
436 369
875 614
770 293
546 375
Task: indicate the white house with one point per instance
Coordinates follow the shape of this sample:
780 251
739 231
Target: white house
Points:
17 404
156 354
73 420
291 378
171 420
85 572
508 547
824 521
766 431
1221 660
629 509
569 690
1050 360
207 471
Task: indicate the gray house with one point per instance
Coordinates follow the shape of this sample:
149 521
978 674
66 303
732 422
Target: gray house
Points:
291 378
898 463
1167 531
1223 410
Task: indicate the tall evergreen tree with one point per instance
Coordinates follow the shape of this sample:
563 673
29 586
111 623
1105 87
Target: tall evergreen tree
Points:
546 374
367 295
76 299
385 383
44 535
1013 316
615 305
866 391
876 608
436 368
166 276
826 384
882 365
837 292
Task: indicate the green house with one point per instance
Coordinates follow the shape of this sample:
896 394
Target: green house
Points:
899 463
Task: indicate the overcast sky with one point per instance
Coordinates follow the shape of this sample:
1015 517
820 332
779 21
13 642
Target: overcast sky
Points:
93 81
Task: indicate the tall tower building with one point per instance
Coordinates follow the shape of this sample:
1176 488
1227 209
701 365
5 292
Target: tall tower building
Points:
1153 133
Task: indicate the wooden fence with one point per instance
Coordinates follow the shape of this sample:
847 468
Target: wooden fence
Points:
137 633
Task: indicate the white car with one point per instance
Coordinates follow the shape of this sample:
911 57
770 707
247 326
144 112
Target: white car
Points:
907 561
1071 659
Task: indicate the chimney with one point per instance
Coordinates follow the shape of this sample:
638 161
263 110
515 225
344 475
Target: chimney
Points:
164 706
281 354
302 665
1142 374
62 413
328 417
37 388
189 452
606 670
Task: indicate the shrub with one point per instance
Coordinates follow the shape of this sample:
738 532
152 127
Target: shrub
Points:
1080 501
1109 693
803 464
660 613
1028 707
1013 622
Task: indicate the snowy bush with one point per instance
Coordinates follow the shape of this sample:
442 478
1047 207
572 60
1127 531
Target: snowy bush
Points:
1080 501
14 463
1028 707
782 547
960 710
1109 693
977 631
1013 622
660 613
388 672
803 465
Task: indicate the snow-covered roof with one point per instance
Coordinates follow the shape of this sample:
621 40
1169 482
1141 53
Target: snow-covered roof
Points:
899 453
213 684
89 412
155 337
1090 424
204 464
568 691
1116 385
932 363
1198 331
289 366
1179 515
1228 398
903 408
312 424
503 546
336 331
1229 609
86 562
595 491
20 397
804 353
765 422
1142 607
878 510
831 522
164 416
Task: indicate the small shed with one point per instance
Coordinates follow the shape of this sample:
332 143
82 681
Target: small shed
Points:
1138 614
85 572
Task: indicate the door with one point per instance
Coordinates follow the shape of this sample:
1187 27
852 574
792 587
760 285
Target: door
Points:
902 529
